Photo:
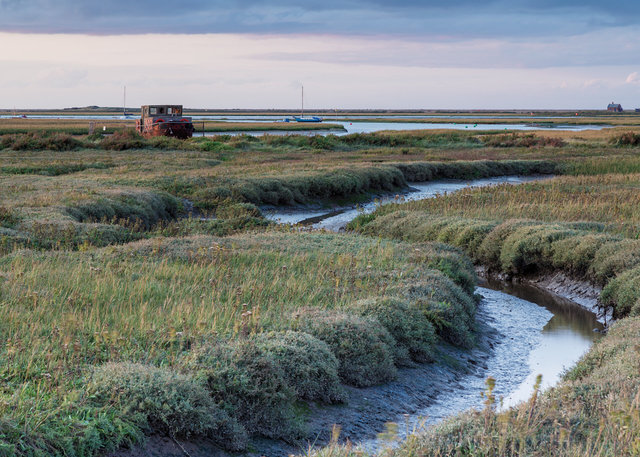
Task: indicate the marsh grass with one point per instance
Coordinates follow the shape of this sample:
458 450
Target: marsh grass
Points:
610 199
166 288
169 303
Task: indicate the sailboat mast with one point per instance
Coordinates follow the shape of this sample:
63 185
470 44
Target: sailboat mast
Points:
124 102
302 111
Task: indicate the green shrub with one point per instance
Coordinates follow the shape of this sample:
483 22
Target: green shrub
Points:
445 304
528 248
623 294
613 258
413 332
362 346
470 236
448 260
490 250
575 254
168 402
309 366
247 382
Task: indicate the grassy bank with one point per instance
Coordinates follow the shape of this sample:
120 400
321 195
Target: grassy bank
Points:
109 126
98 344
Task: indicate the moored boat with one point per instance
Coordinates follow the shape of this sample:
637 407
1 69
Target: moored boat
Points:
164 120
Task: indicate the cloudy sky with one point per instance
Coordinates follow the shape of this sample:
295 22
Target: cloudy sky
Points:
502 54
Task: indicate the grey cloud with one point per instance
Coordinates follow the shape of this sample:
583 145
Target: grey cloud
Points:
461 18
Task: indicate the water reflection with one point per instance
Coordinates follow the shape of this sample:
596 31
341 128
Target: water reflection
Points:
565 337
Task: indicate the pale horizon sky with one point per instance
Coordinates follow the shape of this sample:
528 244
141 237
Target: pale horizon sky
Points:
349 54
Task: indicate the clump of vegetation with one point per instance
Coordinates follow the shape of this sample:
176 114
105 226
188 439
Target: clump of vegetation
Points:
231 210
519 140
53 169
362 346
8 217
450 310
247 381
142 209
530 247
450 261
39 141
214 227
167 402
413 333
124 139
623 293
626 139
309 366
428 171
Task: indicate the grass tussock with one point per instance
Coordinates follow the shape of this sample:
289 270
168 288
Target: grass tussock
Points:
165 401
363 347
38 142
520 140
626 139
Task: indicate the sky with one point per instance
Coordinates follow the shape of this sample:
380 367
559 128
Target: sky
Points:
348 54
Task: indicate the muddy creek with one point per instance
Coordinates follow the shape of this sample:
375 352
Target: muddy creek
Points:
527 332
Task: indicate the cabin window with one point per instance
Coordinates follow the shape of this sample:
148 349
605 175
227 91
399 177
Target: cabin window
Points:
153 110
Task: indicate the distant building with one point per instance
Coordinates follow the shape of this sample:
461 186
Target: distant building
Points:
615 107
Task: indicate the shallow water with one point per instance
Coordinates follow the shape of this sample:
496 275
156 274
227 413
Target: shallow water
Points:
565 337
335 219
371 127
523 353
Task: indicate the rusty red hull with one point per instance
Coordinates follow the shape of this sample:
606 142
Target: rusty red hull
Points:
181 130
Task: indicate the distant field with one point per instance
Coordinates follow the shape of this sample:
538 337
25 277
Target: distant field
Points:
81 127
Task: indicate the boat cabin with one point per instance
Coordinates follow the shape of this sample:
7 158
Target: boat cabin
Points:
161 110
